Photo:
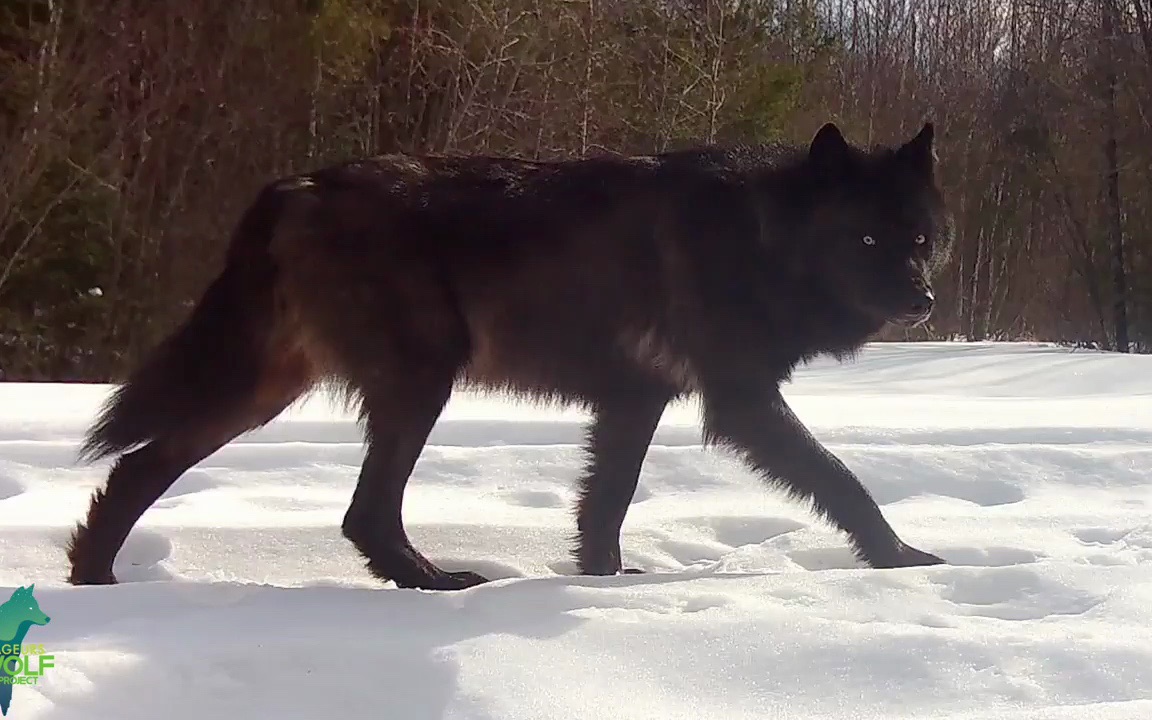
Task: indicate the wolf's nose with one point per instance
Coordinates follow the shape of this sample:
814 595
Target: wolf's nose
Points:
923 304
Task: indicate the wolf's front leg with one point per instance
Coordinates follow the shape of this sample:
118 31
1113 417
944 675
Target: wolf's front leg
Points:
761 426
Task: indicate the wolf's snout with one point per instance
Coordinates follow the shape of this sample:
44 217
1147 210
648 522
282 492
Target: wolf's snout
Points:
916 307
922 303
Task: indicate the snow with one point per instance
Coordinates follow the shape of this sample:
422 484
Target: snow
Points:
1024 465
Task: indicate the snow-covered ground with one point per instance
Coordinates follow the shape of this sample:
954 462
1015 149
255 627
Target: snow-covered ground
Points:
1027 467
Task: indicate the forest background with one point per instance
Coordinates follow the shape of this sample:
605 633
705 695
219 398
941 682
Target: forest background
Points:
134 132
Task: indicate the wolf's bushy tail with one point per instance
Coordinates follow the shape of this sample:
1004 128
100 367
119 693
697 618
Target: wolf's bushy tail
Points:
212 358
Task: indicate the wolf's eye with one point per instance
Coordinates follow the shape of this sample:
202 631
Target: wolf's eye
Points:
920 239
869 240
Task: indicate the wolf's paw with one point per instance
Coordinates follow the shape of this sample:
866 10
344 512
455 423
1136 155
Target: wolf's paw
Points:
906 556
463 579
460 580
80 577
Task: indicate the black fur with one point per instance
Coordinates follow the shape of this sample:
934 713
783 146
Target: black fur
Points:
616 283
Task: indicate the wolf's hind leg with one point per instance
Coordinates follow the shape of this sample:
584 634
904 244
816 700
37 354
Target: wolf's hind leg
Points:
399 414
139 478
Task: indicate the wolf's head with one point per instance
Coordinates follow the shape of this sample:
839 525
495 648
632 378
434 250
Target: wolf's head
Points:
876 224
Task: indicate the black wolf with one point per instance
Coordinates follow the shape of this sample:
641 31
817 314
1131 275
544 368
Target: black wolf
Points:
616 283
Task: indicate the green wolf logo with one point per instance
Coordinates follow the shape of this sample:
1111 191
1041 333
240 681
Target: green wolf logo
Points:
17 615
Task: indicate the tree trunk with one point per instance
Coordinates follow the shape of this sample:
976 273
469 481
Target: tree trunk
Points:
1112 179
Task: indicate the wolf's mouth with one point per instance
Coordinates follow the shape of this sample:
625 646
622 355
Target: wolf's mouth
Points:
912 319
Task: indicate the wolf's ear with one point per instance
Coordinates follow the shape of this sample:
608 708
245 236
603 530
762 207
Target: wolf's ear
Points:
828 150
919 152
